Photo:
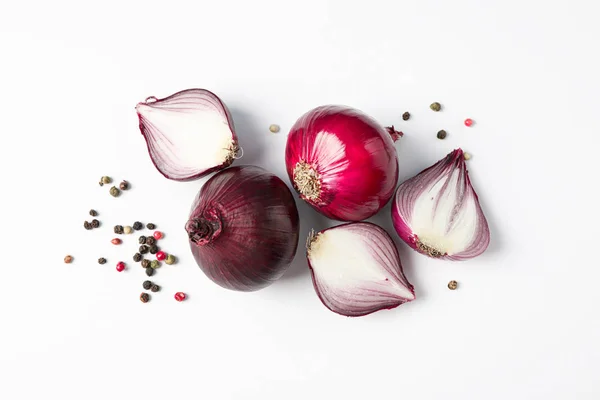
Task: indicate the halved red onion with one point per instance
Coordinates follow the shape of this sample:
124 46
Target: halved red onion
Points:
342 162
243 228
356 269
189 134
438 214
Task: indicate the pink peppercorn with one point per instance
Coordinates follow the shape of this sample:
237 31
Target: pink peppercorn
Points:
157 235
468 122
120 266
161 255
180 296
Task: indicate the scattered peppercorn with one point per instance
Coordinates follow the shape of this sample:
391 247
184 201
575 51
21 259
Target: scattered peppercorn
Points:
114 192
435 106
116 241
137 225
452 285
170 259
149 271
158 235
147 285
93 213
95 223
180 296
145 263
467 156
144 249
105 180
127 230
142 239
120 266
145 297
137 257
406 116
124 185
161 255
118 229
274 128
153 249
68 259
102 260
150 240
155 288
154 264
441 134
150 226
468 122
87 225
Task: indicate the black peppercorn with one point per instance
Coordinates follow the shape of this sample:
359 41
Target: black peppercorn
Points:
153 249
441 134
124 185
145 263
145 297
406 116
95 223
119 229
150 271
147 285
87 225
137 225
93 213
150 226
137 257
102 260
142 239
144 249
150 240
155 288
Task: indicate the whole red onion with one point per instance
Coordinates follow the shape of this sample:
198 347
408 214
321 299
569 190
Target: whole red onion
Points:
342 162
243 228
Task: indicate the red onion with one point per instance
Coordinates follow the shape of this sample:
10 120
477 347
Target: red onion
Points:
243 228
438 214
189 134
356 269
342 162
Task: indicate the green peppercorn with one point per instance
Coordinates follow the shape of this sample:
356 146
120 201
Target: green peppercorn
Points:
95 223
151 226
154 264
145 263
149 271
93 213
144 249
137 225
441 134
124 185
137 257
145 297
102 260
105 180
153 249
142 239
147 285
155 288
118 229
114 192
87 225
150 240
170 259
435 106
406 116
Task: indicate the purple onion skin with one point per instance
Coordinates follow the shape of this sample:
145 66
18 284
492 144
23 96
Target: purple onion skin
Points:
244 228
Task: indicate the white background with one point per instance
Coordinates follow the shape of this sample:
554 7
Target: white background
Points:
524 323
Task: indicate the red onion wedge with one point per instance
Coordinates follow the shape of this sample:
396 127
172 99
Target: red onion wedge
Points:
189 134
342 162
438 214
243 228
356 269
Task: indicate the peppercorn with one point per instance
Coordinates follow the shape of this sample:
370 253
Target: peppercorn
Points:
145 263
93 213
127 230
435 106
147 285
149 271
102 260
441 134
274 128
452 285
158 235
406 116
467 156
153 249
137 225
142 239
95 223
105 180
154 264
170 259
144 249
137 257
150 226
150 240
468 122
155 288
145 297
116 241
124 185
161 256
87 225
68 259
180 296
114 192
118 229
